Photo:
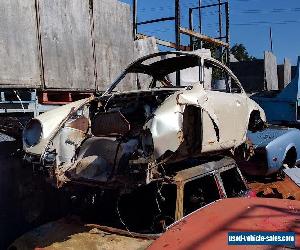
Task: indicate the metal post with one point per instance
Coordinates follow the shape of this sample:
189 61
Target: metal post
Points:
220 29
227 31
134 23
191 26
177 23
220 19
177 34
200 20
271 39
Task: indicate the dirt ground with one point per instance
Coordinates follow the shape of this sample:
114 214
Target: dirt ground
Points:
67 233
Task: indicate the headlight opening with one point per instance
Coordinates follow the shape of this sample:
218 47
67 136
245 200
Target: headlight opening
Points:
32 133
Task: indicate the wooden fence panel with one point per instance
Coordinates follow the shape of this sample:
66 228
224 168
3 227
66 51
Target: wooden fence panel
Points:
67 44
19 51
113 41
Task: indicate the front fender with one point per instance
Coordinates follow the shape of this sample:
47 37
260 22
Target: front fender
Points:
276 154
253 106
52 121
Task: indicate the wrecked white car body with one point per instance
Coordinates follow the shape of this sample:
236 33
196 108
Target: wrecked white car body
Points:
130 137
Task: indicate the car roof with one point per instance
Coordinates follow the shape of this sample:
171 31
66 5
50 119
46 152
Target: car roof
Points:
208 227
172 61
203 169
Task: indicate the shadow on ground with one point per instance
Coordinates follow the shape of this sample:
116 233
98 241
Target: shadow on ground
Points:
25 200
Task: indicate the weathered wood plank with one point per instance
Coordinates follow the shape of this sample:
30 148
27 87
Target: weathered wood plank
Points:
203 37
67 44
113 41
19 54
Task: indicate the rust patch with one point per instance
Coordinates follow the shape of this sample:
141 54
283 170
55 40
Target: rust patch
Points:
283 189
81 123
177 99
180 136
75 137
110 124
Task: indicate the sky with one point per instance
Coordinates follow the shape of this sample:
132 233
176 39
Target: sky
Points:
250 22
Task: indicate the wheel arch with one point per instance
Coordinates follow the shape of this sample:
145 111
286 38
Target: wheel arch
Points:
290 156
255 121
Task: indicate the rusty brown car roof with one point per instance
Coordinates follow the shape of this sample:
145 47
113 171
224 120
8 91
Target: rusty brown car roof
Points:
207 228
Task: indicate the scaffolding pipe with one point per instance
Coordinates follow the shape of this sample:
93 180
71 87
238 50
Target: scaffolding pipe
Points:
134 12
200 20
177 34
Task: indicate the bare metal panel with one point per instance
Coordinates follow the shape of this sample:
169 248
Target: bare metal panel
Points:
113 41
19 56
67 44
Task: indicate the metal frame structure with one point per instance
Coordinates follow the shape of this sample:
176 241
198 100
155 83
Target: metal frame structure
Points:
176 18
23 105
194 35
218 41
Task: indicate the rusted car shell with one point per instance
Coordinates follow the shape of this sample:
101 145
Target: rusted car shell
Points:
172 125
213 168
207 228
73 235
160 126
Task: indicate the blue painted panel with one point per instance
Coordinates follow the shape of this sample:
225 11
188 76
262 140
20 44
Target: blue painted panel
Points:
278 111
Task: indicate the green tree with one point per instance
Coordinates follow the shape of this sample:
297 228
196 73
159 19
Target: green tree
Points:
238 50
240 53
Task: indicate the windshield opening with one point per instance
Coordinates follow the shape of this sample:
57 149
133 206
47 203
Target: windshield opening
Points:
157 72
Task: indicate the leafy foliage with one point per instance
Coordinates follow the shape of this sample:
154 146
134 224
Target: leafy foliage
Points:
240 53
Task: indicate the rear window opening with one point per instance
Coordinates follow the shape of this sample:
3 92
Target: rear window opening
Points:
199 192
233 183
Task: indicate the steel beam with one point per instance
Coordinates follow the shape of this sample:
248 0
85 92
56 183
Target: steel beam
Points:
157 20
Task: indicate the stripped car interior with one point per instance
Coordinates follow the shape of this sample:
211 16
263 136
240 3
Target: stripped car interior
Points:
123 139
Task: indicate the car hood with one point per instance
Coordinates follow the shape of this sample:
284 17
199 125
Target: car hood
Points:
263 138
